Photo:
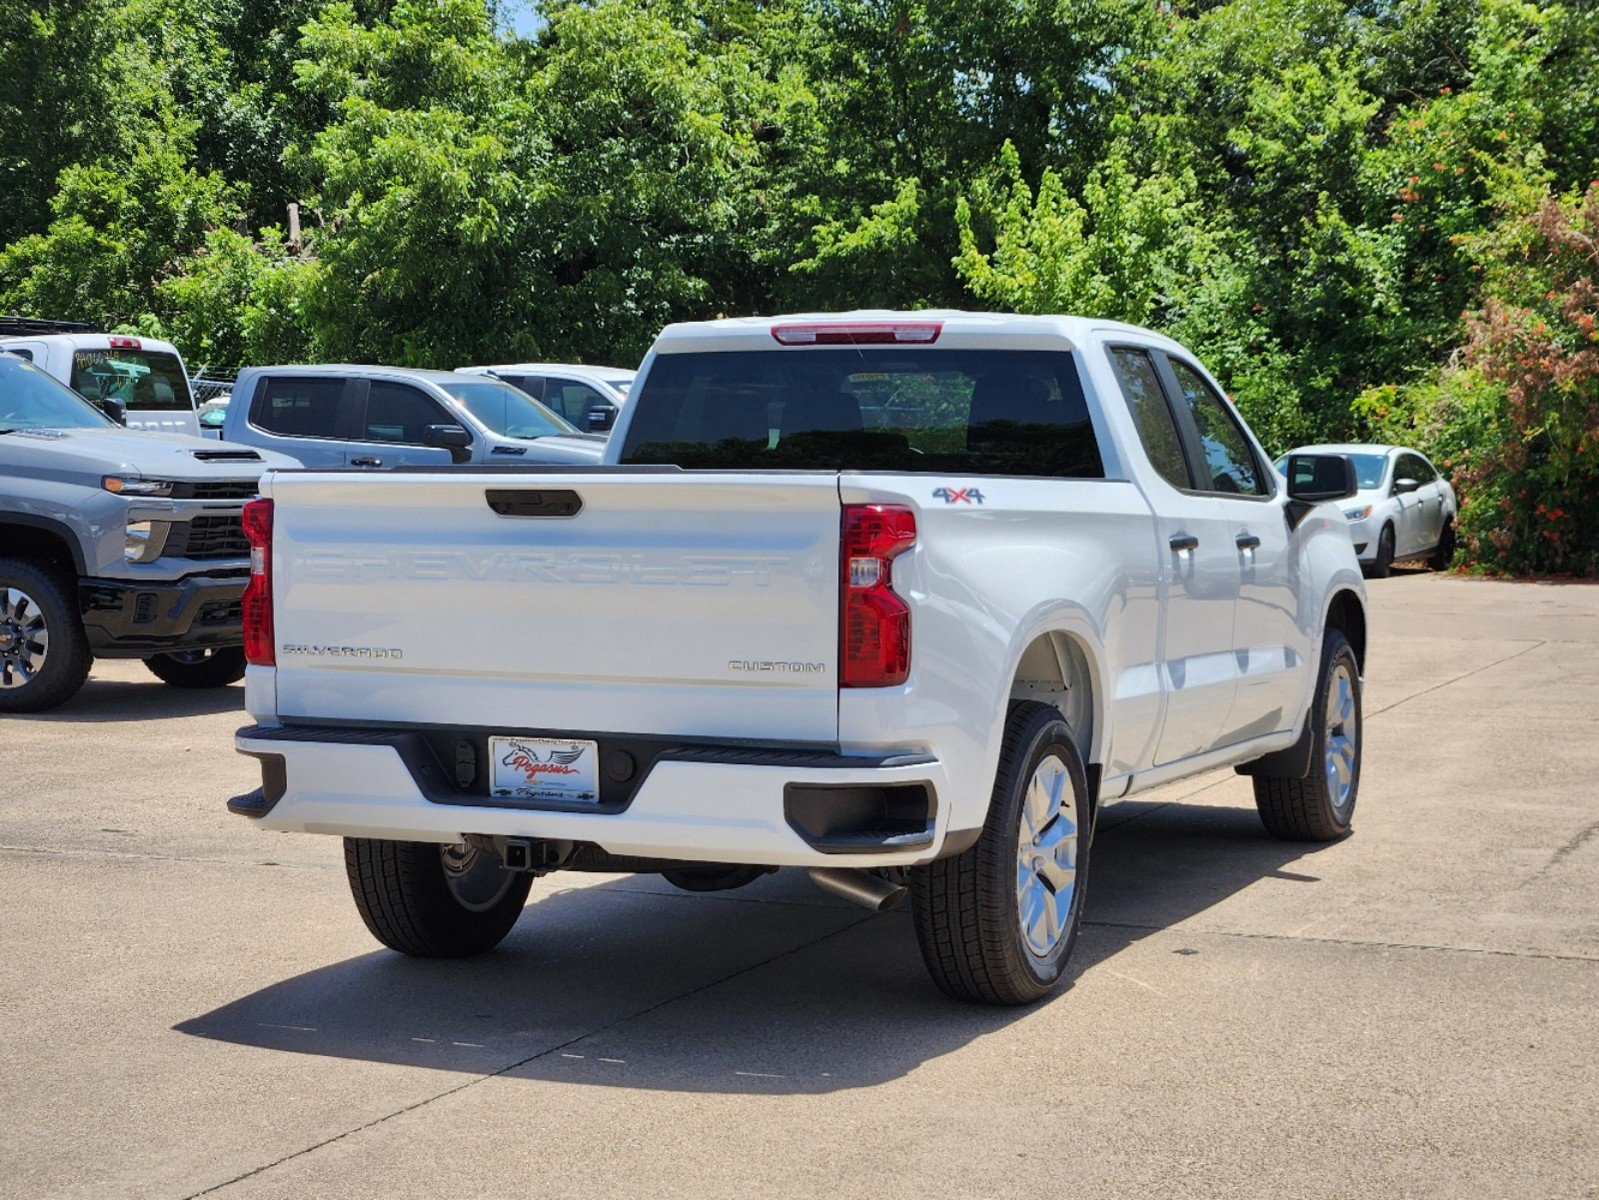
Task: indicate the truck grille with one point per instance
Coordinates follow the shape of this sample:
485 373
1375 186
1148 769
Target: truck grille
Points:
220 489
212 536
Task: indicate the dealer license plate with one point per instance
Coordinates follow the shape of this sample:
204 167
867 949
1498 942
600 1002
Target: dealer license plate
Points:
528 768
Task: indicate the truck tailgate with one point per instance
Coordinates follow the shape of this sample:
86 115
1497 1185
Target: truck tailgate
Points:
670 603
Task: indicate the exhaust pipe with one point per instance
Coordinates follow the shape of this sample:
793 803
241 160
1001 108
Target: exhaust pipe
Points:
862 887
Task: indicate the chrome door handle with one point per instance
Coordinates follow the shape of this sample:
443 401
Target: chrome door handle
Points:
1184 541
1247 541
366 462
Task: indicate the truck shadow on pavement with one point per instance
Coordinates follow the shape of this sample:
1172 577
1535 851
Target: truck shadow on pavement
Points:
124 700
772 989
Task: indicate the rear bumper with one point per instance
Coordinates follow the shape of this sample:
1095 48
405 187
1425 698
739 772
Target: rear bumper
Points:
130 619
689 802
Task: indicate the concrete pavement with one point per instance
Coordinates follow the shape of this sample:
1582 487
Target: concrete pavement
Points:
189 1006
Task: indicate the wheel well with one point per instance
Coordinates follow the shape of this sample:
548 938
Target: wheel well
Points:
30 541
1347 615
1054 670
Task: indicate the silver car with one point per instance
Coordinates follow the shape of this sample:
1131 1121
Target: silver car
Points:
1405 511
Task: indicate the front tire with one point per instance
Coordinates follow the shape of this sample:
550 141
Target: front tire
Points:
1383 565
997 923
1445 552
44 653
432 901
1319 807
199 668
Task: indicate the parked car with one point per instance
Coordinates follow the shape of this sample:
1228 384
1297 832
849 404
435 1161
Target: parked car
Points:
114 543
334 416
588 397
145 376
1405 511
762 634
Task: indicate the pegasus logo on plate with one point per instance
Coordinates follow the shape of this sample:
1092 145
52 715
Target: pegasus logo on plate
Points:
531 764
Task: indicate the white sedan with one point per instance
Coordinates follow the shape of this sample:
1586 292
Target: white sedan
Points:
1404 511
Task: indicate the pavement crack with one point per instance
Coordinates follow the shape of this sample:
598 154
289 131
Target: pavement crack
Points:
1361 943
1527 649
1555 859
522 1062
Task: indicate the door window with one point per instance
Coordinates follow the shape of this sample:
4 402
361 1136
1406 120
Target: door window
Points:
533 385
1230 463
1151 413
572 400
1413 466
299 407
397 412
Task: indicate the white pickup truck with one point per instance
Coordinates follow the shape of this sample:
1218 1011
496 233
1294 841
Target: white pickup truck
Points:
903 599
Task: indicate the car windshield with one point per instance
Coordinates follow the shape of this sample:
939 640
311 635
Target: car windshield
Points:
1368 469
984 412
506 410
30 399
144 380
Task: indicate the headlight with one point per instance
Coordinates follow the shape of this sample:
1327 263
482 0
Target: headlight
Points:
1357 514
122 485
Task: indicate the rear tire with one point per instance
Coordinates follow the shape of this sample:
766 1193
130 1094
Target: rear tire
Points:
432 901
1445 553
44 653
1383 565
199 668
993 923
1320 807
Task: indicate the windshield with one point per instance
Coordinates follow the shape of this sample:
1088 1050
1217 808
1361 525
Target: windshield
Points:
30 399
982 412
1368 469
505 410
144 380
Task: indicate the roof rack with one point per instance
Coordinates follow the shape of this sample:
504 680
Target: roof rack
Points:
24 326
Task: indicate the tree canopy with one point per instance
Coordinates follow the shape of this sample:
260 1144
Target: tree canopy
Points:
1371 218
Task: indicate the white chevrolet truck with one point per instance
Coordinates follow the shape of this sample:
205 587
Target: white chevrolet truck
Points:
902 599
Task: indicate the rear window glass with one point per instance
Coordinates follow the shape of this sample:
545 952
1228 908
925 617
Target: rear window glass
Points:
146 380
300 407
976 412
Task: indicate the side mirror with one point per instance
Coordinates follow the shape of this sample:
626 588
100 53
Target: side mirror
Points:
1403 487
454 438
116 409
1318 478
600 418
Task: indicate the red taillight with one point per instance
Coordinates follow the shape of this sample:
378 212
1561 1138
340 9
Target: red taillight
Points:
874 623
860 333
123 343
259 644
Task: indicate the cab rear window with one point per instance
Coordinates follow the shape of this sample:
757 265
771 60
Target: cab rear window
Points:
975 412
144 380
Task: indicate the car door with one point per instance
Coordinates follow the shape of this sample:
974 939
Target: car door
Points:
1199 571
299 415
1432 501
1413 534
393 417
1269 643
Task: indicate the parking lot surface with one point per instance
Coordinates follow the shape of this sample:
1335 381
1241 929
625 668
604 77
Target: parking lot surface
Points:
191 1007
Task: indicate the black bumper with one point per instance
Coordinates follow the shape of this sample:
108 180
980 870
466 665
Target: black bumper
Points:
124 619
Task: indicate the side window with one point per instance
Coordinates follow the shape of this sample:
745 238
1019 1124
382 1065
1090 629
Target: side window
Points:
299 407
1156 428
398 412
24 355
1413 466
572 400
533 385
1229 462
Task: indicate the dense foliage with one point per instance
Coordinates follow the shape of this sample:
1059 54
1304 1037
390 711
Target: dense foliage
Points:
1372 218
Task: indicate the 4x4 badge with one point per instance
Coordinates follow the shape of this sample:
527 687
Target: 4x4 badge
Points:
965 495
